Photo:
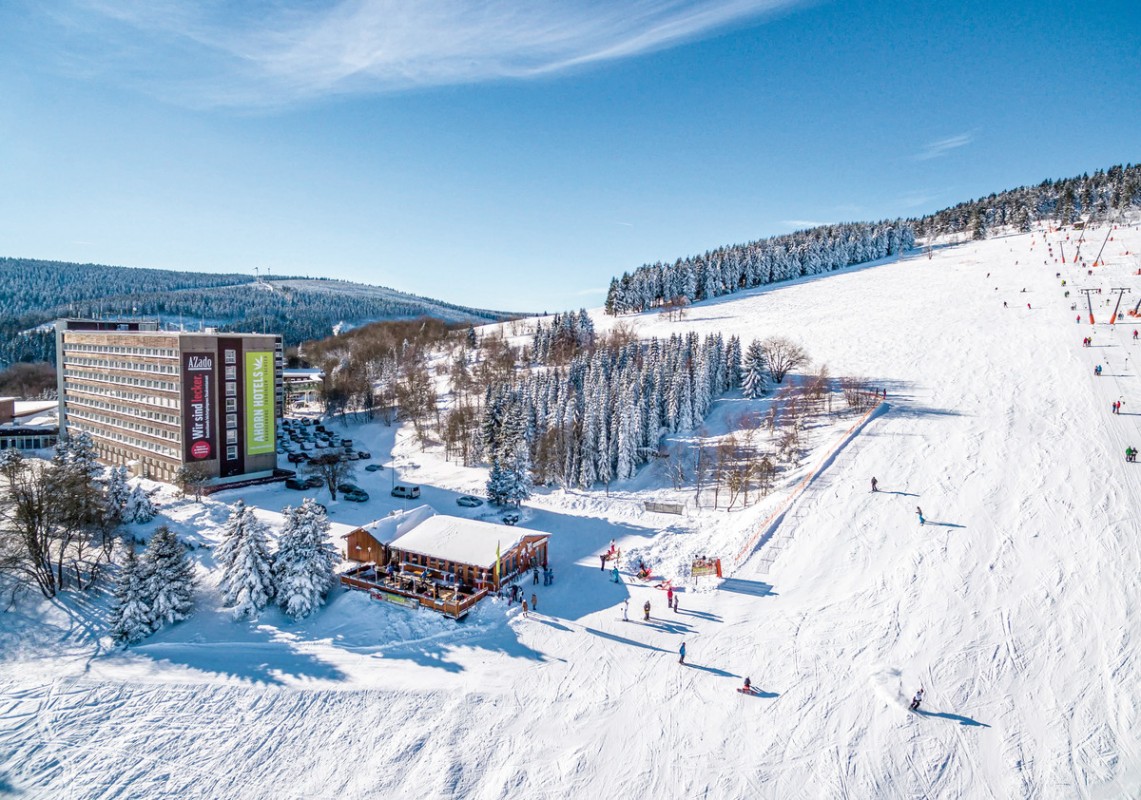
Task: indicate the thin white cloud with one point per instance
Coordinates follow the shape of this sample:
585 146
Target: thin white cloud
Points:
940 147
287 51
801 224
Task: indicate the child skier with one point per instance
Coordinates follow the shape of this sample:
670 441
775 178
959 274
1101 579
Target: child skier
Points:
919 511
681 652
915 701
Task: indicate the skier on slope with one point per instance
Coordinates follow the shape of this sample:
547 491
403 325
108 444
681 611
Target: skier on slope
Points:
646 609
874 483
748 686
681 653
915 701
919 511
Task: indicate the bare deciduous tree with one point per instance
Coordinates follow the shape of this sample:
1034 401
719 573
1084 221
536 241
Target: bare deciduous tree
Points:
332 469
783 355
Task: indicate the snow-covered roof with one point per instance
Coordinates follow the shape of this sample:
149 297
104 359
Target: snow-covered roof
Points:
467 541
23 408
385 529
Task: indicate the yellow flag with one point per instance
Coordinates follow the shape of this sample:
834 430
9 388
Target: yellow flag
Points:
497 563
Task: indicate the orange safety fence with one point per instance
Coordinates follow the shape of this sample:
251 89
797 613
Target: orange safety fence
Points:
765 526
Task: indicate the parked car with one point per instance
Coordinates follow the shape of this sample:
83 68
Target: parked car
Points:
349 487
356 497
364 455
511 517
406 491
296 483
296 458
468 501
314 482
373 468
346 442
352 457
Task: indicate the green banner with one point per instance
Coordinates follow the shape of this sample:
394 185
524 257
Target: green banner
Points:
259 403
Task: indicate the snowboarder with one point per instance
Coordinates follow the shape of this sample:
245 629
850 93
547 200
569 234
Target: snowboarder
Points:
681 653
534 601
915 701
646 608
919 511
626 610
874 483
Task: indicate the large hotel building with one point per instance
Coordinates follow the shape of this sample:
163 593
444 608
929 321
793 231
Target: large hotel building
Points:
156 400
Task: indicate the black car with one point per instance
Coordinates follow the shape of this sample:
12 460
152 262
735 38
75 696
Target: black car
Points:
356 497
296 483
349 487
373 468
364 455
314 482
296 458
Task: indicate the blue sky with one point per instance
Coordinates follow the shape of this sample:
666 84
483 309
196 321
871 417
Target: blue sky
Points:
519 155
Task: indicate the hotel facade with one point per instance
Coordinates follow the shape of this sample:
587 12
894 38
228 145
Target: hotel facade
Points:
155 401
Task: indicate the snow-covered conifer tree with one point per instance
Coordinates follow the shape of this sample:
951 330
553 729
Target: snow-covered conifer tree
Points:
170 578
118 492
139 507
753 365
303 566
131 611
517 484
247 574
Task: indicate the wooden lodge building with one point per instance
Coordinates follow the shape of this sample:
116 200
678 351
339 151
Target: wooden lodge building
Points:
448 564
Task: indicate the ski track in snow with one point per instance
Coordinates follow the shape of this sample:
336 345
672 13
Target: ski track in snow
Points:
1015 606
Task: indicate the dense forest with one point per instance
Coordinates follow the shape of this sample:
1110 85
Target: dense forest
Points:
35 292
1095 197
779 258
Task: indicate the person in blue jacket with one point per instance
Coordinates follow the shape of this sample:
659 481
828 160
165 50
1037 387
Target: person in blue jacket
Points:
681 652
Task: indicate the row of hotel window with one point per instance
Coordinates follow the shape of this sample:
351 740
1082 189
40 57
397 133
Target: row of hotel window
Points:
94 416
121 380
140 444
162 352
119 394
134 366
73 400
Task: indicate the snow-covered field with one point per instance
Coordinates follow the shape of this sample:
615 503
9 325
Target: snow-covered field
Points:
1015 605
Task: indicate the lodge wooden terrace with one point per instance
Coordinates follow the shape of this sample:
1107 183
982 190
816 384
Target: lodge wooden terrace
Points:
415 586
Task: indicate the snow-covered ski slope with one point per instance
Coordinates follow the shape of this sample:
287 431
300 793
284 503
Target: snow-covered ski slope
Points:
1015 606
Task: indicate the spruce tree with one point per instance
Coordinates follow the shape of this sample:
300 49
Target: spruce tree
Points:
118 493
131 611
247 575
170 578
139 507
304 564
753 365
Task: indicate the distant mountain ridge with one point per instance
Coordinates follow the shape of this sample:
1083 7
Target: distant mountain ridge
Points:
34 292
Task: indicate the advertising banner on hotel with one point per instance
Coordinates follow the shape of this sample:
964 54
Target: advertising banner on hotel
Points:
199 423
259 403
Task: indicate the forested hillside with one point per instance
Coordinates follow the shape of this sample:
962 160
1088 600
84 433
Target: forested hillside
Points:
829 247
35 292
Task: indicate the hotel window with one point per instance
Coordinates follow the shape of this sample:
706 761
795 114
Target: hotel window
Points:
231 389
231 420
231 404
231 373
231 356
231 453
231 436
